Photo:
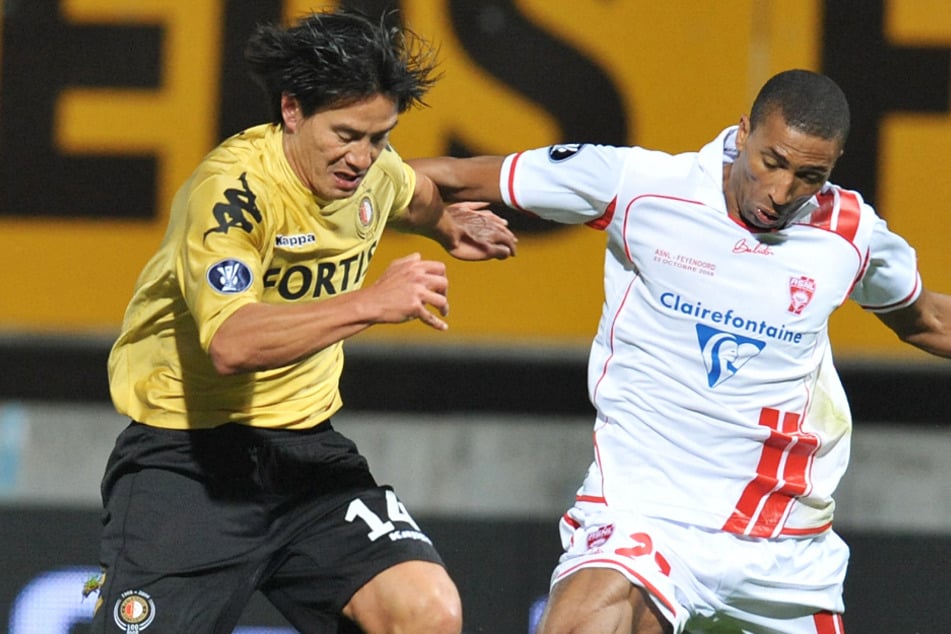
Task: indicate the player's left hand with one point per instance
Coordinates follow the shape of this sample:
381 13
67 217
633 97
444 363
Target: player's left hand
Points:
480 234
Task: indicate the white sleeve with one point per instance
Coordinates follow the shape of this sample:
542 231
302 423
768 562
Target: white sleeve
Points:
891 279
571 184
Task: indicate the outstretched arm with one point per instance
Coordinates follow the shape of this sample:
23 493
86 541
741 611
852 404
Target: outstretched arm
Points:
466 230
458 179
926 324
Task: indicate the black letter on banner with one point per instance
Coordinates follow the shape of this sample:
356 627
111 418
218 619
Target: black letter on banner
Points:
243 103
877 78
548 71
42 55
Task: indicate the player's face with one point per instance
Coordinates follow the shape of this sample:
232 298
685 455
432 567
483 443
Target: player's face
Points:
778 169
331 150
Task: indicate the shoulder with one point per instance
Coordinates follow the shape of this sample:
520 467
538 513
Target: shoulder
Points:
389 166
245 164
841 211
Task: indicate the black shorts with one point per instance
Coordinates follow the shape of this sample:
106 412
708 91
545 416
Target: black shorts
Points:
197 521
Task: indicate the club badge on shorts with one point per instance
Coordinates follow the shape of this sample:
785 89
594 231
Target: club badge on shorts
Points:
134 611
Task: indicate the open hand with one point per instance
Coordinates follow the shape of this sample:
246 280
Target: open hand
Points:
482 235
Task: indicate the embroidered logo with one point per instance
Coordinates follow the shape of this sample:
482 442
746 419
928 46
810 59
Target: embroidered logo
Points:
134 611
724 353
756 248
292 242
229 276
364 216
558 153
801 290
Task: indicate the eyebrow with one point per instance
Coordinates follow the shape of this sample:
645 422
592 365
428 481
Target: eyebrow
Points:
820 169
348 129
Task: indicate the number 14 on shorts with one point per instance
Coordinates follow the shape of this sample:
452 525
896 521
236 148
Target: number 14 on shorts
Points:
379 527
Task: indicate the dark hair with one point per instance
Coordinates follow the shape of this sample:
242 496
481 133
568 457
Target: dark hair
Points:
337 58
809 102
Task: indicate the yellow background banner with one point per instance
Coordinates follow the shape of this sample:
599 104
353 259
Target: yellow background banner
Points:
682 72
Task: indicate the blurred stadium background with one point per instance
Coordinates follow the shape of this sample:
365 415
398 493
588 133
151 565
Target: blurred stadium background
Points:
106 105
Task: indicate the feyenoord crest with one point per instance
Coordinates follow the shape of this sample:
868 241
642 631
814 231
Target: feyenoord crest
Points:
134 611
364 216
801 290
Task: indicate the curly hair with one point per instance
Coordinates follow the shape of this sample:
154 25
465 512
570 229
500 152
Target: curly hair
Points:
809 102
334 59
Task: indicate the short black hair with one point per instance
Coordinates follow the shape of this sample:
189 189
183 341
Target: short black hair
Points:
809 101
333 59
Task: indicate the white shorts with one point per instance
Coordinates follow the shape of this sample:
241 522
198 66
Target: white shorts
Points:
703 579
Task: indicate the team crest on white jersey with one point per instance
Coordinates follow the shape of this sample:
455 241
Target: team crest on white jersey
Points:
229 276
134 611
563 152
724 353
801 290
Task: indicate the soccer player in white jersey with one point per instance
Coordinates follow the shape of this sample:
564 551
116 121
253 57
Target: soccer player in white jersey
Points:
722 428
231 479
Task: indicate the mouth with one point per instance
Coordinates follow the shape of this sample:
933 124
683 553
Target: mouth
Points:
764 218
347 181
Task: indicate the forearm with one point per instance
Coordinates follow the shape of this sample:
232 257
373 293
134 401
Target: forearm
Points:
426 215
926 324
474 178
262 336
466 230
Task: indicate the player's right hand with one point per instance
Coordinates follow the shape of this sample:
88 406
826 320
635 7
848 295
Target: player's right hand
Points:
413 288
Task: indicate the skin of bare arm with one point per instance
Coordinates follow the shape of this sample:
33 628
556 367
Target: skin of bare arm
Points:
458 179
466 229
925 324
261 336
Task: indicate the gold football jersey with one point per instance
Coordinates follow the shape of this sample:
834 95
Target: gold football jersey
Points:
244 229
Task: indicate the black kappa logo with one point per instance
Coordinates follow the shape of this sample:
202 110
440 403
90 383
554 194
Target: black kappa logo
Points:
233 214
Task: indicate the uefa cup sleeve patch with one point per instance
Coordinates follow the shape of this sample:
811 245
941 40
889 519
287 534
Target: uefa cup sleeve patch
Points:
229 276
134 611
563 152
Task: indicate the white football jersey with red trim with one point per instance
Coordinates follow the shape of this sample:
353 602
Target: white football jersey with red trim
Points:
711 371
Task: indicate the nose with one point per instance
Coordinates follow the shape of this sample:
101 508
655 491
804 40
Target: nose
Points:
782 190
361 156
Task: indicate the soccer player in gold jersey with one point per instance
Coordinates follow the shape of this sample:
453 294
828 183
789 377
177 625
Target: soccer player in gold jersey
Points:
230 478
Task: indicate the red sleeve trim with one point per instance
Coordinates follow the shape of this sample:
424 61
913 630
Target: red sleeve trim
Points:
604 220
900 303
511 182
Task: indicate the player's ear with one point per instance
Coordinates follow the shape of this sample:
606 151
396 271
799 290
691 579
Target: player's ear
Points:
290 112
742 133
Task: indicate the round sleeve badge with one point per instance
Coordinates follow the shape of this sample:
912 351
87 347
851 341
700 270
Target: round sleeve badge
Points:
229 276
563 152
